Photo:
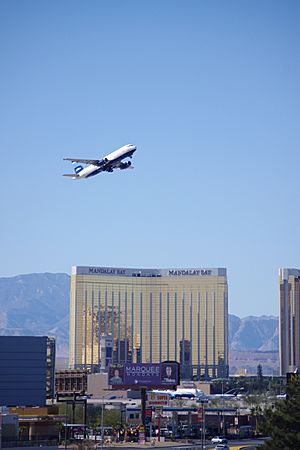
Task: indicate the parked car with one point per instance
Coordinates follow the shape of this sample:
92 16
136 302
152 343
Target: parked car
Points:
165 432
219 440
222 447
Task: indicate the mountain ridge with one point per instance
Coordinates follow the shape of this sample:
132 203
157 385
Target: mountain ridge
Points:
38 304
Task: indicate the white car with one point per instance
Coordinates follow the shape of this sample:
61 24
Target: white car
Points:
222 447
219 440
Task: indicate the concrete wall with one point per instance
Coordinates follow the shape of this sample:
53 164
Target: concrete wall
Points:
98 387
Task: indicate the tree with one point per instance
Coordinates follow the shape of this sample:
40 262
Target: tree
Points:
111 417
259 373
259 379
283 423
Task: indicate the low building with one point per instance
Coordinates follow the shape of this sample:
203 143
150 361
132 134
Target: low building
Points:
38 424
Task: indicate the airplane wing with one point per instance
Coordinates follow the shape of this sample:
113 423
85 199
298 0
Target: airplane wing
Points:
73 175
95 162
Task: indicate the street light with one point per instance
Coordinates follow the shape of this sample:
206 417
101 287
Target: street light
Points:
102 422
66 422
223 423
222 427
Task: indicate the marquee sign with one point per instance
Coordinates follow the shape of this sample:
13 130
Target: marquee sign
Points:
165 374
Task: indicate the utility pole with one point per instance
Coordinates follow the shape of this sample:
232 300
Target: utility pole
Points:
66 424
102 423
203 426
223 424
102 419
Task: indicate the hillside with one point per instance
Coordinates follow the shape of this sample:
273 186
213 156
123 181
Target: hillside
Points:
253 341
36 304
253 333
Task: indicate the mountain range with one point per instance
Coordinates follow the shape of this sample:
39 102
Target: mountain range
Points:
38 304
253 333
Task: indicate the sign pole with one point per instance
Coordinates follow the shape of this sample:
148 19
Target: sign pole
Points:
151 427
0 431
158 426
143 405
204 425
143 376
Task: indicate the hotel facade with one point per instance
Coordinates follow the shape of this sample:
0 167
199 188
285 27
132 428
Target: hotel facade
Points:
289 320
120 315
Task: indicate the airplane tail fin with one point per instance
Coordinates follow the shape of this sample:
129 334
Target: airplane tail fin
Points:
78 169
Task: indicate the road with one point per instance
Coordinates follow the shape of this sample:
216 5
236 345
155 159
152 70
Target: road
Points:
250 444
237 444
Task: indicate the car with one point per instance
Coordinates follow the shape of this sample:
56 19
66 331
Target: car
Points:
219 440
222 447
164 432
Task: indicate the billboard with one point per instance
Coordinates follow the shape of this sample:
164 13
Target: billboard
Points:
169 373
164 374
116 374
140 374
157 399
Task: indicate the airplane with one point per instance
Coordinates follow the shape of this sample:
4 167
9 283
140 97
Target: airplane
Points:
231 394
110 162
183 393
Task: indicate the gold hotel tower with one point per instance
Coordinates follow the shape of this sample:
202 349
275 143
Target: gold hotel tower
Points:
149 316
289 320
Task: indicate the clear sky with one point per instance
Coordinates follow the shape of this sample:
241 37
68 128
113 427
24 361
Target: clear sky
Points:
207 90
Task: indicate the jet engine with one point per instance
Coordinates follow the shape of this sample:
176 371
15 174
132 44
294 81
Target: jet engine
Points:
125 165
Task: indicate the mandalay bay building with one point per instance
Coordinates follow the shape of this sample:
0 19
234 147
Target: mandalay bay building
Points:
120 315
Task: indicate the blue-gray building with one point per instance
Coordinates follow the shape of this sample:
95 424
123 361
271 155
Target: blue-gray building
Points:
26 370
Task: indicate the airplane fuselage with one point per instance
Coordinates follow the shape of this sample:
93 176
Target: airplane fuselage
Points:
110 161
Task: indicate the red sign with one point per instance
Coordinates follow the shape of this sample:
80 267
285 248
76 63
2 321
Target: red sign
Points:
142 435
200 414
156 399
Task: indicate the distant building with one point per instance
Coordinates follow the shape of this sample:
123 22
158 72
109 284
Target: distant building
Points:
71 381
26 370
289 320
121 315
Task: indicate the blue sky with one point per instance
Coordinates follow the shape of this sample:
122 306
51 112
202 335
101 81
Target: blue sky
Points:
207 90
